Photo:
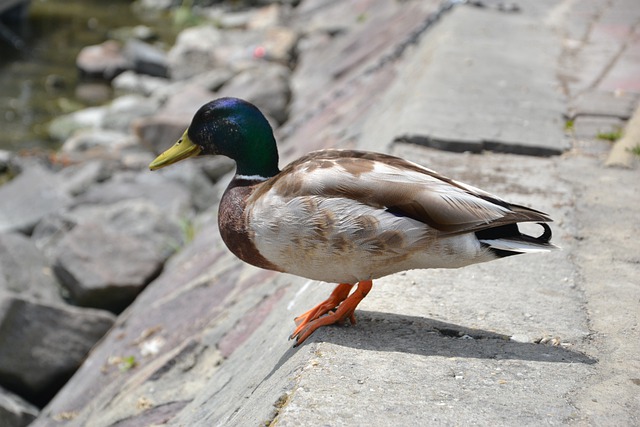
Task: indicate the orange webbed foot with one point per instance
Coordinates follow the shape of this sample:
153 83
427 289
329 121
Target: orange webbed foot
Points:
322 314
339 294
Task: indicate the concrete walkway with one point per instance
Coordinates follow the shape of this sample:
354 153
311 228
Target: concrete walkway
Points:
530 340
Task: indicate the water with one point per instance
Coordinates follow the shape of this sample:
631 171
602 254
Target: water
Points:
41 81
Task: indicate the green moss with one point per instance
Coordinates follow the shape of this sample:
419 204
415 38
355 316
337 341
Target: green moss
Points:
127 363
184 15
568 125
636 150
610 136
188 230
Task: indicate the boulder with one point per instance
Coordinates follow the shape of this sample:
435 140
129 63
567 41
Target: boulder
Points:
42 345
144 58
105 268
76 179
266 17
127 108
194 52
277 44
266 86
63 127
24 269
159 132
216 167
15 411
98 142
138 218
213 80
162 130
197 184
93 92
143 220
8 167
132 82
105 60
33 194
170 196
49 231
204 48
139 32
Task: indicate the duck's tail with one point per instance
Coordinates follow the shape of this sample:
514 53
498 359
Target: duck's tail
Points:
507 240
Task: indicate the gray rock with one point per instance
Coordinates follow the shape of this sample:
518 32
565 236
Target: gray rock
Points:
131 82
204 48
143 220
105 268
49 231
76 179
63 127
266 86
213 80
162 130
194 52
268 16
170 196
155 5
98 142
196 183
216 167
145 58
15 411
138 218
277 44
159 132
44 344
127 108
227 20
24 269
93 92
33 194
140 32
104 60
8 167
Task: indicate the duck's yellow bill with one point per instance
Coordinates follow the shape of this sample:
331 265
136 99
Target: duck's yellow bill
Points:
181 150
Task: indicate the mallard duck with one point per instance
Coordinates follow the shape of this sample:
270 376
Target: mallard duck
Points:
345 216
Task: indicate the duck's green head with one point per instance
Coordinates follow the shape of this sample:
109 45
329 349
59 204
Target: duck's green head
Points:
230 127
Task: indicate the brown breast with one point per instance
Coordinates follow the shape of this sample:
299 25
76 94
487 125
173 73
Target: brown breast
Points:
233 226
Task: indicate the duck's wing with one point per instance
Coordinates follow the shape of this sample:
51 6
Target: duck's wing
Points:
399 186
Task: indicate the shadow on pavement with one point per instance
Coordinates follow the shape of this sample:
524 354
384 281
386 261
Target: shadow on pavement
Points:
427 337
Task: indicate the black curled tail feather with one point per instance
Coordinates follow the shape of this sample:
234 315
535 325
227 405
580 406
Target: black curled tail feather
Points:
507 240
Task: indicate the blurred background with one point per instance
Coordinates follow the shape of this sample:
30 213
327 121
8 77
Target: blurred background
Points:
39 43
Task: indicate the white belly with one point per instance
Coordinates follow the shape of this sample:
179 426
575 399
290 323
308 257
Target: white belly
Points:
336 240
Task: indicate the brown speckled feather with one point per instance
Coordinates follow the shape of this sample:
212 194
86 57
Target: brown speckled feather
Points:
346 216
402 187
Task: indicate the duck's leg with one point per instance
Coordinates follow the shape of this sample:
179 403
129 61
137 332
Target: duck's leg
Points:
343 312
339 294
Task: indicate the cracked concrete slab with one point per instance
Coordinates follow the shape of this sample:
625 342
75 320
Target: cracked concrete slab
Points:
482 80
